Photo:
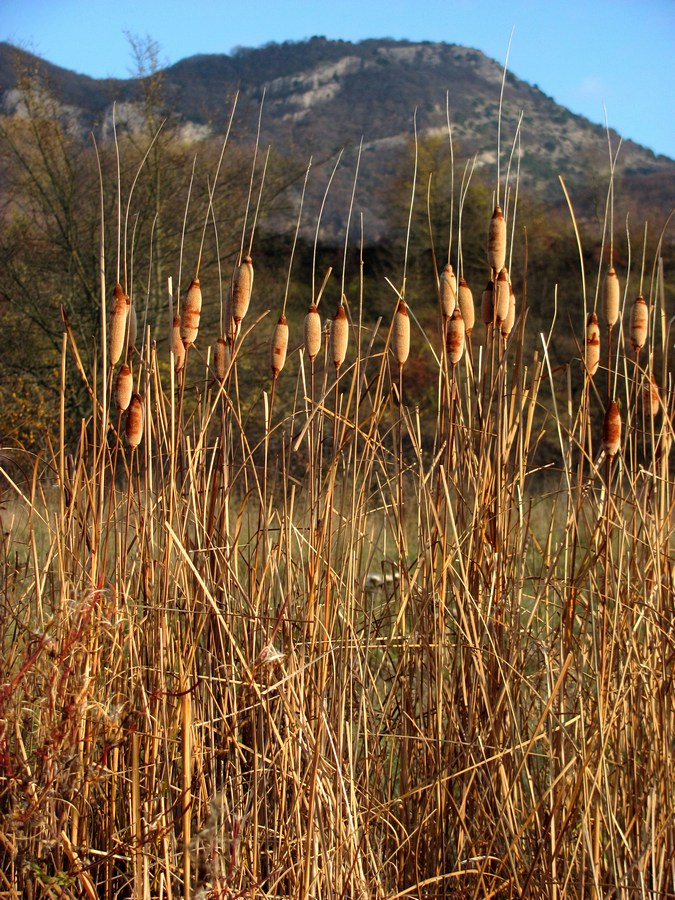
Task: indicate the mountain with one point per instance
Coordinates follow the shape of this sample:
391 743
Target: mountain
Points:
323 95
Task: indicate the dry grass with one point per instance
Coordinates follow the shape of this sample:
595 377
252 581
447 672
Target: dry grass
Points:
338 662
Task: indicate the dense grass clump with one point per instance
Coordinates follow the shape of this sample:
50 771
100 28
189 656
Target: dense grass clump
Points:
285 644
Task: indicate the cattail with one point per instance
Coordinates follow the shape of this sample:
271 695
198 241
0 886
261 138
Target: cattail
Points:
651 398
339 335
497 240
487 306
610 297
400 334
191 313
509 321
448 290
177 345
502 295
133 427
123 388
466 307
133 326
592 344
639 318
279 346
454 337
118 324
312 331
221 355
228 321
242 285
611 430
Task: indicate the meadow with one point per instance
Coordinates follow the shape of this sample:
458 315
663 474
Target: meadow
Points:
323 640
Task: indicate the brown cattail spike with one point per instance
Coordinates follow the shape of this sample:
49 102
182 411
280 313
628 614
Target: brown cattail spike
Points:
400 334
124 385
611 297
242 285
592 349
279 346
454 337
191 313
497 240
639 320
651 397
221 353
611 430
448 291
487 306
466 307
177 345
312 331
133 428
502 295
339 336
118 324
509 321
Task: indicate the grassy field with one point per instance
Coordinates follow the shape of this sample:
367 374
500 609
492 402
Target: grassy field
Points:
285 644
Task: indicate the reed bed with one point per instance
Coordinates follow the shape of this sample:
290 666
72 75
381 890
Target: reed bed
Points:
285 646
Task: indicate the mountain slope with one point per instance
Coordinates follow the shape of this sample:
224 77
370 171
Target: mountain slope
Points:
321 95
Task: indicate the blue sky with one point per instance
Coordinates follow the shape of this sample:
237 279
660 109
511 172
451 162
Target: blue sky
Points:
589 55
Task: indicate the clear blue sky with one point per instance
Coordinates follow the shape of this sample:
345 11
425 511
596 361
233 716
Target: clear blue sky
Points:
587 54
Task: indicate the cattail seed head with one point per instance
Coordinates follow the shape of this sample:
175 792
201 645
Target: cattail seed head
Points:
651 397
242 285
312 331
339 336
177 345
497 240
502 295
611 297
454 337
466 307
123 388
487 306
639 319
118 324
592 348
133 428
448 291
191 312
400 334
509 321
611 430
221 355
279 346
